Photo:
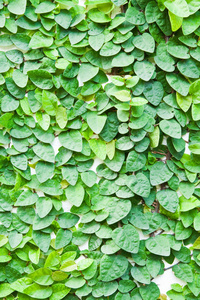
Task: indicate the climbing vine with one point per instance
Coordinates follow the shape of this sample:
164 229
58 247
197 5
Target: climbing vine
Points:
99 149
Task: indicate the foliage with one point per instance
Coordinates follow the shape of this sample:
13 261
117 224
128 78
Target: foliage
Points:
114 80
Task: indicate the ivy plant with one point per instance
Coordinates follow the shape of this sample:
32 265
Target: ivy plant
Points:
115 82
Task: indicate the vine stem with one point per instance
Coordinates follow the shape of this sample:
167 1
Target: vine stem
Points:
170 267
160 232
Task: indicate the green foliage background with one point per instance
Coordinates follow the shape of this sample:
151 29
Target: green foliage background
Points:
118 81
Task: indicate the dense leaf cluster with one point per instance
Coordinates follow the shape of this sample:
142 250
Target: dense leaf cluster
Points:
114 80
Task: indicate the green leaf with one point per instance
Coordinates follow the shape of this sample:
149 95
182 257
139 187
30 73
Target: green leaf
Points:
123 95
70 174
95 122
110 247
3 240
61 117
108 188
144 70
177 50
44 7
190 24
125 286
87 72
49 102
43 206
84 264
159 173
188 68
187 189
96 41
131 81
138 101
21 41
117 210
67 220
20 78
115 164
98 147
195 112
72 140
112 267
59 291
90 88
75 282
26 198
135 161
39 40
42 276
178 83
150 291
5 289
141 274
42 240
98 16
163 59
14 90
37 291
19 161
171 128
110 129
188 204
158 245
39 223
183 271
134 16
104 289
110 149
184 101
154 137
168 199
122 60
44 171
4 257
151 12
44 122
89 178
110 49
178 7
141 186
153 266
17 7
70 85
195 148
41 78
5 66
194 90
63 238
63 18
175 21
75 194
144 42
127 238
44 151
53 259
182 233
14 238
76 36
197 222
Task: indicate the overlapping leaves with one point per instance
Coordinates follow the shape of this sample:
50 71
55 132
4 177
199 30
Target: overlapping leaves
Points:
114 82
